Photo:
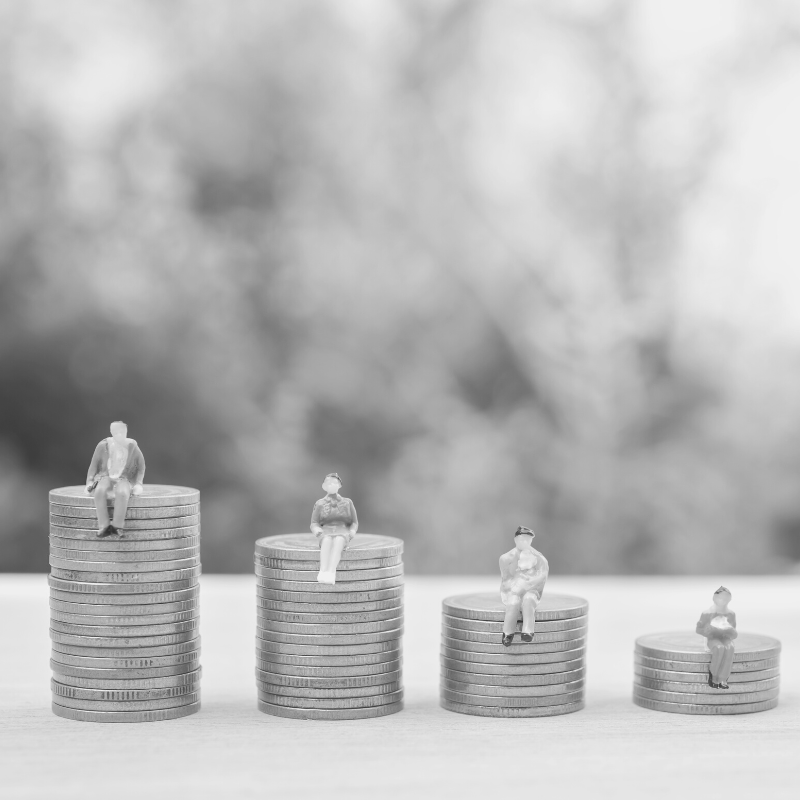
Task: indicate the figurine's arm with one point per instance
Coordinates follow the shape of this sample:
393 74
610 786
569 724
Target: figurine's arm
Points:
703 624
94 467
354 523
139 480
316 528
506 560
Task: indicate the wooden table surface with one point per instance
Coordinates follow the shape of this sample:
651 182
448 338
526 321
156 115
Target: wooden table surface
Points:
230 749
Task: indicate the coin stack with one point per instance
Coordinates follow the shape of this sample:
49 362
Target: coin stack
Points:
329 651
671 673
124 610
541 678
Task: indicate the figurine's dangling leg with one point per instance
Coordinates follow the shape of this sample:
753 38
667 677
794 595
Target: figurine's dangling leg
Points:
122 495
335 556
529 603
510 620
325 547
717 653
726 665
101 503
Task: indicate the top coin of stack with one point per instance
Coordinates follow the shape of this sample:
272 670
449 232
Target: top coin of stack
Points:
329 651
671 673
482 676
124 611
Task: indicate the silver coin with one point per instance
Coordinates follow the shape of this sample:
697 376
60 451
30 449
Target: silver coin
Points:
704 688
520 692
153 494
121 695
294 546
124 662
113 545
127 705
702 667
69 535
107 568
143 620
132 611
171 557
329 714
496 638
721 697
349 618
513 670
702 677
330 629
336 682
133 525
68 674
293 663
489 606
126 652
125 716
517 658
496 627
354 576
190 594
128 589
343 702
497 711
294 673
516 648
330 598
687 708
685 646
183 679
137 512
513 681
324 695
325 650
122 641
304 565
510 702
135 631
335 640
142 576
312 589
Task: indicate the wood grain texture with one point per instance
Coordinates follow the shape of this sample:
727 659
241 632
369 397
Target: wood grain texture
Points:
230 750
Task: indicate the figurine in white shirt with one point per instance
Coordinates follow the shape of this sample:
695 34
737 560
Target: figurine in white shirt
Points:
718 625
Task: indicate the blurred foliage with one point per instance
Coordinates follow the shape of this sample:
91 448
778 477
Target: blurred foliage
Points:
438 247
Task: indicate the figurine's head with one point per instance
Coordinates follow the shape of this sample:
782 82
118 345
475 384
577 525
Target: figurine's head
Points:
332 483
722 597
119 430
523 537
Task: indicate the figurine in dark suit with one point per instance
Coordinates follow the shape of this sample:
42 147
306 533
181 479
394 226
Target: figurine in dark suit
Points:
718 625
523 573
334 522
116 471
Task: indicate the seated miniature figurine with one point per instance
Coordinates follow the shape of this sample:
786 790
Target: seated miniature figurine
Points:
334 522
523 573
718 625
116 471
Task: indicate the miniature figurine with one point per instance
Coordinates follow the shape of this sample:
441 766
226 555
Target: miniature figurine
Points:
718 625
334 522
116 471
523 572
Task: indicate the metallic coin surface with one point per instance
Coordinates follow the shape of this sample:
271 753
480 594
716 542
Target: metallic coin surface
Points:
348 576
684 708
127 705
343 702
520 647
496 627
292 675
305 546
182 679
119 631
489 606
125 611
107 567
329 714
68 674
330 628
721 697
314 589
512 681
702 677
493 690
125 716
131 525
70 535
135 512
129 589
122 641
700 666
496 711
325 609
345 618
137 620
121 695
704 688
125 652
364 660
153 494
130 662
513 670
125 545
686 646
91 576
190 593
331 597
333 640
515 659
510 702
126 557
494 638
324 695
263 646
306 565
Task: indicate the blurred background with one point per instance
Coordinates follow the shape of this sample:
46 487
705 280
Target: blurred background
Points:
496 263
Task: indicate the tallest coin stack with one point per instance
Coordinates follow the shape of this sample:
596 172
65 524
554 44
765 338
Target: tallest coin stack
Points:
124 611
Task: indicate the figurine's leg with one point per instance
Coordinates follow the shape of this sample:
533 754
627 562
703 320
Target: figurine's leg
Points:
325 553
512 615
122 495
101 503
717 652
529 603
336 552
727 662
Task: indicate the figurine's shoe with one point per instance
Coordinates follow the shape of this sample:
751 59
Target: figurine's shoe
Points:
507 639
326 577
527 637
113 529
710 680
103 532
723 685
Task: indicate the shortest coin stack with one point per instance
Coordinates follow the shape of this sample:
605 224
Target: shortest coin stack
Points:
542 678
329 651
671 674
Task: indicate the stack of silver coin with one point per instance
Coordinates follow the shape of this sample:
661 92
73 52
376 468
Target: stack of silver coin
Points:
124 610
671 673
541 678
329 651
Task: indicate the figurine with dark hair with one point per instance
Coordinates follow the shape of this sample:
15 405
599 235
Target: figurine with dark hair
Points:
116 471
334 522
523 573
718 625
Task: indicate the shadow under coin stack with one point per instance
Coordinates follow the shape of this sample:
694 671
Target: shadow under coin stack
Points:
671 673
329 651
124 611
541 678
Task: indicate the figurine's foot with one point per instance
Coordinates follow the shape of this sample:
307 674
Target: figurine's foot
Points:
326 577
527 637
507 639
103 532
723 685
710 680
119 531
